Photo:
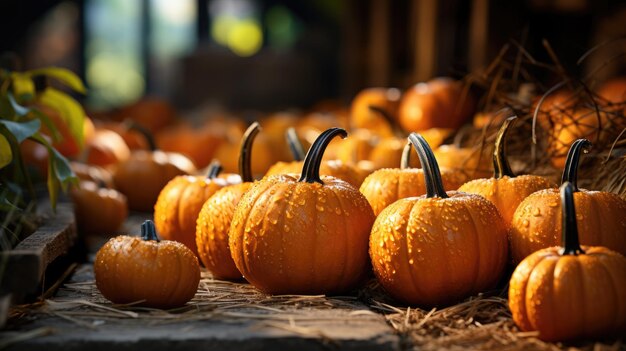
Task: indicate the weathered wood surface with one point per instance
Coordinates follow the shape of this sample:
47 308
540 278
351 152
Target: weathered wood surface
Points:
27 262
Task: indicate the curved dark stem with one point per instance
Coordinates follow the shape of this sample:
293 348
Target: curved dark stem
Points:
569 228
432 175
245 152
313 159
570 172
406 157
132 125
215 168
397 130
295 146
148 231
501 165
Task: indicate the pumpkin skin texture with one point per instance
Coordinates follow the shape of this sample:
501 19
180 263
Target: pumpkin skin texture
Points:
536 222
412 236
505 189
334 168
467 161
165 273
106 148
570 292
302 236
98 210
213 221
438 103
179 203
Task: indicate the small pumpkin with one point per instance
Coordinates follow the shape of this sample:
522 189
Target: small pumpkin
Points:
92 173
570 292
179 203
303 234
536 222
98 210
106 149
142 176
437 248
438 103
198 143
151 113
265 157
505 189
385 186
470 162
160 274
217 212
362 116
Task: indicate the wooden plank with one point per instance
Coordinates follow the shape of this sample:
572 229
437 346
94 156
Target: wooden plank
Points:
425 33
478 34
379 47
27 262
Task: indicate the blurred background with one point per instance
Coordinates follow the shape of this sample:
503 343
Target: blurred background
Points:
273 54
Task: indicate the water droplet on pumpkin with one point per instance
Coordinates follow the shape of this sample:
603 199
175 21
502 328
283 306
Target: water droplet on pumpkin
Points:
536 212
319 207
411 261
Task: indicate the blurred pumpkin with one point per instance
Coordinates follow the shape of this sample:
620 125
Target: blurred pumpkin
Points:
142 176
95 174
570 292
150 112
536 222
437 249
67 145
275 128
198 143
362 116
160 274
470 162
613 92
98 210
302 235
505 189
133 139
549 108
106 149
438 103
216 215
228 154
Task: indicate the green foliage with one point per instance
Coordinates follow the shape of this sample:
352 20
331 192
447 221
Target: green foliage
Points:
21 96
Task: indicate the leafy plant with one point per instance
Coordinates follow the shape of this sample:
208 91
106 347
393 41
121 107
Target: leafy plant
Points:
24 95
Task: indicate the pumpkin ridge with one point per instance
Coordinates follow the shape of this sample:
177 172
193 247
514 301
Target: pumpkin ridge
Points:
550 263
477 273
282 222
345 242
410 270
611 278
244 222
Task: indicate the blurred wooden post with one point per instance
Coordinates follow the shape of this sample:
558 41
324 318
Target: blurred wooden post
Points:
424 17
478 35
378 43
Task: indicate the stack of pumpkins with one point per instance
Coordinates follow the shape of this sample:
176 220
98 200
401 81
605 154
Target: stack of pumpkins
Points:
302 232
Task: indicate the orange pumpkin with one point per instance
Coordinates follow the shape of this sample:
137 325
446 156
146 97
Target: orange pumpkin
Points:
133 139
470 162
198 143
98 210
302 235
265 157
106 149
536 222
161 274
438 103
95 174
362 116
179 203
216 215
145 173
151 113
613 92
437 249
505 189
570 292
551 106
385 186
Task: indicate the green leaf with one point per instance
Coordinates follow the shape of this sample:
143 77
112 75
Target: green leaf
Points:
6 156
63 75
70 111
19 109
21 131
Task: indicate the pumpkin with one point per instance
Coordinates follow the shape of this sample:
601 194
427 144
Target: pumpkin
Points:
437 248
151 113
265 157
613 92
385 186
505 189
106 149
160 274
146 172
179 203
275 128
216 215
362 116
198 143
98 210
133 139
67 145
95 174
438 103
570 292
354 149
302 234
536 222
551 106
470 162
336 168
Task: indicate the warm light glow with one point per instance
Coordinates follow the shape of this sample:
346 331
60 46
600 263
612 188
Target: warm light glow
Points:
245 38
221 28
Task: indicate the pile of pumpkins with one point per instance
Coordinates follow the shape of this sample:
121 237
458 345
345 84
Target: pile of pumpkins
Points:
432 236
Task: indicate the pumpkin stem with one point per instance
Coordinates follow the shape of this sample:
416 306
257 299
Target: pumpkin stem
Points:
406 156
570 172
432 175
313 159
569 229
148 231
396 129
129 124
215 168
501 165
295 146
245 152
